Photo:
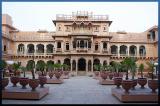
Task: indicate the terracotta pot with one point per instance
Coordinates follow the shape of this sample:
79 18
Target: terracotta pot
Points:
153 84
142 82
104 75
5 82
14 80
134 83
58 75
24 81
66 72
127 84
115 74
33 83
110 76
42 80
96 73
50 74
118 81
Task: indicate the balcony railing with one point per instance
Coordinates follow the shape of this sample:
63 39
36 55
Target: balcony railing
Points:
81 49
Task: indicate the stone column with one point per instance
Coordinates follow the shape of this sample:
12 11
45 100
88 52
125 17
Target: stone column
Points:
108 47
127 50
86 66
137 51
62 46
25 49
76 66
118 50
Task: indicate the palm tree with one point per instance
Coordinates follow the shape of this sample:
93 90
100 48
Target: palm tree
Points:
49 66
16 66
141 68
97 67
41 66
30 66
57 66
3 66
133 70
24 69
66 67
116 66
151 68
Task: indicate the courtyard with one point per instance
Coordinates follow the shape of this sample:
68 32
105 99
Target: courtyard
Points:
76 90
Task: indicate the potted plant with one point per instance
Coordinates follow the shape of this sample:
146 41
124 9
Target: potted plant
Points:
33 83
116 67
142 81
41 67
128 62
152 84
133 71
50 68
23 80
66 69
3 66
97 68
103 74
111 69
58 70
15 79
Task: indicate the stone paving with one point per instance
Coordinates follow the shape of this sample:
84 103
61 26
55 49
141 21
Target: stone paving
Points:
76 90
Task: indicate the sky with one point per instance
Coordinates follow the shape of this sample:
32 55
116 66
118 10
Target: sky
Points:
126 16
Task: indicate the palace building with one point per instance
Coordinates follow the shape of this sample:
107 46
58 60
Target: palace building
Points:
81 40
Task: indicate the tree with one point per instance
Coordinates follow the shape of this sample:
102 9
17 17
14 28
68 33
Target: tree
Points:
151 68
97 67
57 66
24 69
66 67
3 65
116 66
15 67
41 66
141 68
30 66
50 66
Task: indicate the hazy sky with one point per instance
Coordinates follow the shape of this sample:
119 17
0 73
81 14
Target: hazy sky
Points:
128 16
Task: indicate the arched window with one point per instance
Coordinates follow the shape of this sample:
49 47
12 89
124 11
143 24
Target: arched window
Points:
58 44
104 45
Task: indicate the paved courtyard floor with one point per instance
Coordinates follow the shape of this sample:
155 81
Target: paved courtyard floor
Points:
76 90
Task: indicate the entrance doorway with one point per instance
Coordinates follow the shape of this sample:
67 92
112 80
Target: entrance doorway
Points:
81 64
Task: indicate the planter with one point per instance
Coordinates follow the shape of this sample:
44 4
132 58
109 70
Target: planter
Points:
153 84
118 81
14 80
96 73
33 83
58 75
116 74
121 74
104 75
134 83
142 82
110 76
24 82
66 73
42 80
5 82
50 74
127 84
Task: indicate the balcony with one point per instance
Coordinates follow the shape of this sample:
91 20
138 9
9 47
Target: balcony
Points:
81 49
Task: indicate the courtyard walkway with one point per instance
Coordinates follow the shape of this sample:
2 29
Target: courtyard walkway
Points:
76 90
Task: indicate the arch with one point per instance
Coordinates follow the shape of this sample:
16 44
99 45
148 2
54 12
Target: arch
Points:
59 62
104 45
133 50
82 64
73 65
20 48
96 62
40 66
40 48
104 62
30 48
123 49
142 50
67 62
50 48
114 49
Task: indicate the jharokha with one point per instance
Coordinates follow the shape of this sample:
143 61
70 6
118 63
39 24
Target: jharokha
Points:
81 40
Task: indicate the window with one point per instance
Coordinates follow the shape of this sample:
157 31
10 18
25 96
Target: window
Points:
89 44
104 45
96 29
67 46
4 48
59 45
81 44
96 46
74 44
59 28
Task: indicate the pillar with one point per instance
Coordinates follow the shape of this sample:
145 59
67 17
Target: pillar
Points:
76 66
118 50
